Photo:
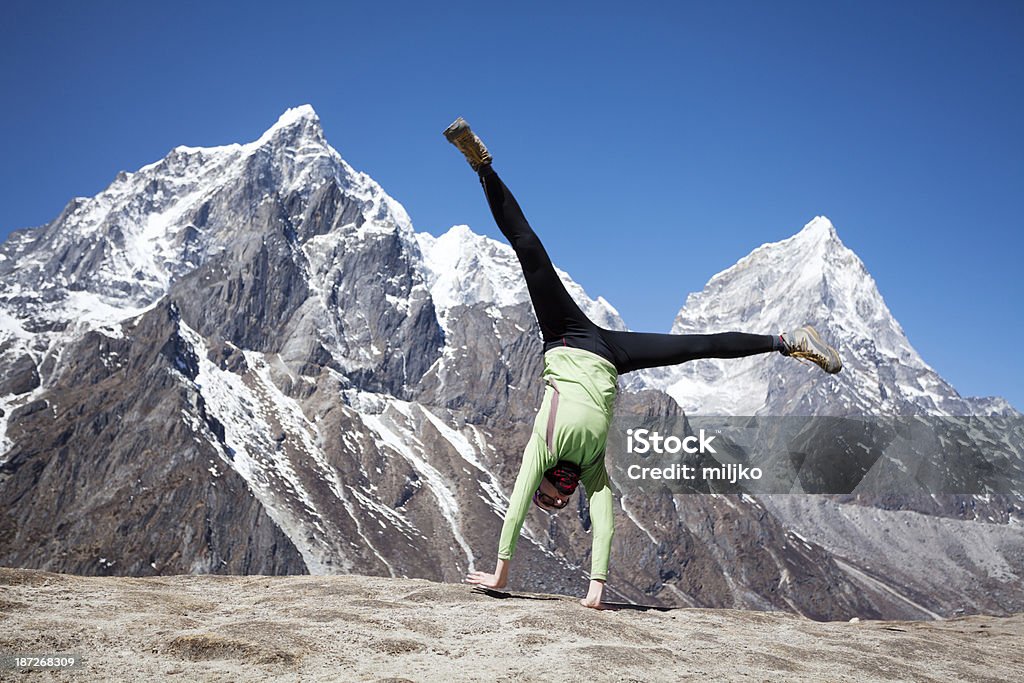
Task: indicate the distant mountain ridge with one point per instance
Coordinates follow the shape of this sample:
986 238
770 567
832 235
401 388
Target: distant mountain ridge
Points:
243 359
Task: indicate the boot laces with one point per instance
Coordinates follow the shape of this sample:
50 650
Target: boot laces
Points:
803 352
804 355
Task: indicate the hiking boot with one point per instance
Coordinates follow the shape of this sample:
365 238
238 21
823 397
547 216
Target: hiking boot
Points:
467 142
805 343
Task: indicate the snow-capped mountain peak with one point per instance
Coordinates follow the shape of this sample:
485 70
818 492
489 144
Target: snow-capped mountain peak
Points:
462 268
302 117
779 284
156 224
819 227
811 277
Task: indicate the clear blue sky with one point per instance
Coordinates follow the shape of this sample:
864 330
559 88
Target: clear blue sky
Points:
651 144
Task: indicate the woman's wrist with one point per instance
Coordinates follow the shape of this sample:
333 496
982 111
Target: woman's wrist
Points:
501 572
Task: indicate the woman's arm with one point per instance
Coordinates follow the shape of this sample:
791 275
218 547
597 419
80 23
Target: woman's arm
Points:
602 520
536 460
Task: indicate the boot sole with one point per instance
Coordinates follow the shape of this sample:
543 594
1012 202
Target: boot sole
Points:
454 131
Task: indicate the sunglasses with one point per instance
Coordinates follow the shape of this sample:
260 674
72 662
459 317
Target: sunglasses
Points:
549 501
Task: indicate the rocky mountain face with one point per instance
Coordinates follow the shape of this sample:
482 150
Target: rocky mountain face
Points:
243 359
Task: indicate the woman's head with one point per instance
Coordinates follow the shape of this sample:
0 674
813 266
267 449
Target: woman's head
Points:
557 486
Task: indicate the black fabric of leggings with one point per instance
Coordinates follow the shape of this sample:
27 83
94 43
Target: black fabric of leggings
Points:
562 323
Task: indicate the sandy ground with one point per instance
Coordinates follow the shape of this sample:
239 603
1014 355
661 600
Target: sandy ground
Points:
341 628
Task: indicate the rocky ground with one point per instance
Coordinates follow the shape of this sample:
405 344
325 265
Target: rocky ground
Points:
329 628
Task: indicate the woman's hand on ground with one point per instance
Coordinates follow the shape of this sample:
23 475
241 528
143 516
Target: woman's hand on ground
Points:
496 580
594 595
485 579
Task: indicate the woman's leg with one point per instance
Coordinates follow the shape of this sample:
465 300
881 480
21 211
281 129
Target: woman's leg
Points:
561 320
563 323
637 350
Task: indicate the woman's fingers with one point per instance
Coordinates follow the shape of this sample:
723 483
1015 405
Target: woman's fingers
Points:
479 577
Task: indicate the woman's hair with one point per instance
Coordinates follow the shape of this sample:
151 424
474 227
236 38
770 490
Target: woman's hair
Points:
564 476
